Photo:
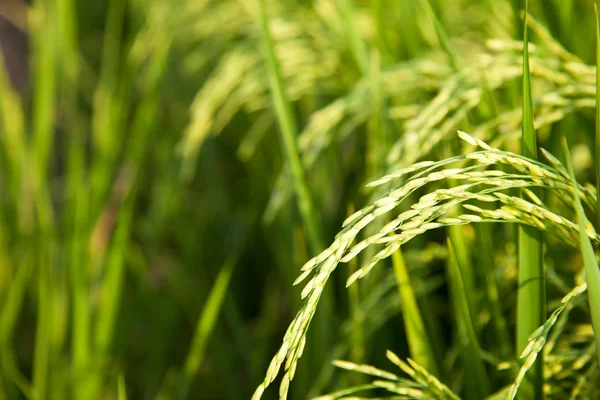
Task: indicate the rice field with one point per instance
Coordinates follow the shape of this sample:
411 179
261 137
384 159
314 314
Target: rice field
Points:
327 199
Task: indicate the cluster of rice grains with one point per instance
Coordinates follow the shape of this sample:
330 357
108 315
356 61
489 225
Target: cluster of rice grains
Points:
481 183
569 87
310 57
421 385
424 385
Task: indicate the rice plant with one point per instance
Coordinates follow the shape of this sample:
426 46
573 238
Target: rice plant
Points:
168 169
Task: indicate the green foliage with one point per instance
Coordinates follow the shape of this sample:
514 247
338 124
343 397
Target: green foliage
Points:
169 169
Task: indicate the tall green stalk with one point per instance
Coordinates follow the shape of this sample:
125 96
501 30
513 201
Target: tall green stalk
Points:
109 109
135 158
77 193
592 272
416 334
457 235
44 33
288 128
478 384
206 324
597 131
121 388
15 275
357 45
531 297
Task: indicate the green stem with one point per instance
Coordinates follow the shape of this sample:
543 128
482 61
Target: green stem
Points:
206 324
416 334
288 129
531 298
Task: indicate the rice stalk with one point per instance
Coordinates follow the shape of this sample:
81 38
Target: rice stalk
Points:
597 131
484 242
15 275
121 388
134 161
416 334
478 385
206 323
531 297
77 190
379 12
357 46
108 109
43 133
288 129
460 251
592 273
441 35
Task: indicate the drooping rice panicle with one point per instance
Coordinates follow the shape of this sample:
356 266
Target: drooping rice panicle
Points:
430 212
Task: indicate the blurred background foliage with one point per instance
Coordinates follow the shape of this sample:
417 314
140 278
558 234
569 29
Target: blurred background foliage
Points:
149 227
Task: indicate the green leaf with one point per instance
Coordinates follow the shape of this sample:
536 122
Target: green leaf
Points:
592 273
416 335
531 299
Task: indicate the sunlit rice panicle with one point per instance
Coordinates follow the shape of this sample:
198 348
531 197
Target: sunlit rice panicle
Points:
478 183
537 340
570 87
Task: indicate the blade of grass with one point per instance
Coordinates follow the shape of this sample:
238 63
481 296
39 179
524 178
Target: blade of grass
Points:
10 371
416 335
43 134
379 12
456 233
13 133
45 86
108 108
517 6
410 33
351 32
566 19
597 131
478 385
77 197
289 131
206 324
121 388
531 297
14 281
142 124
592 273
441 34
42 351
11 310
141 137
484 244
